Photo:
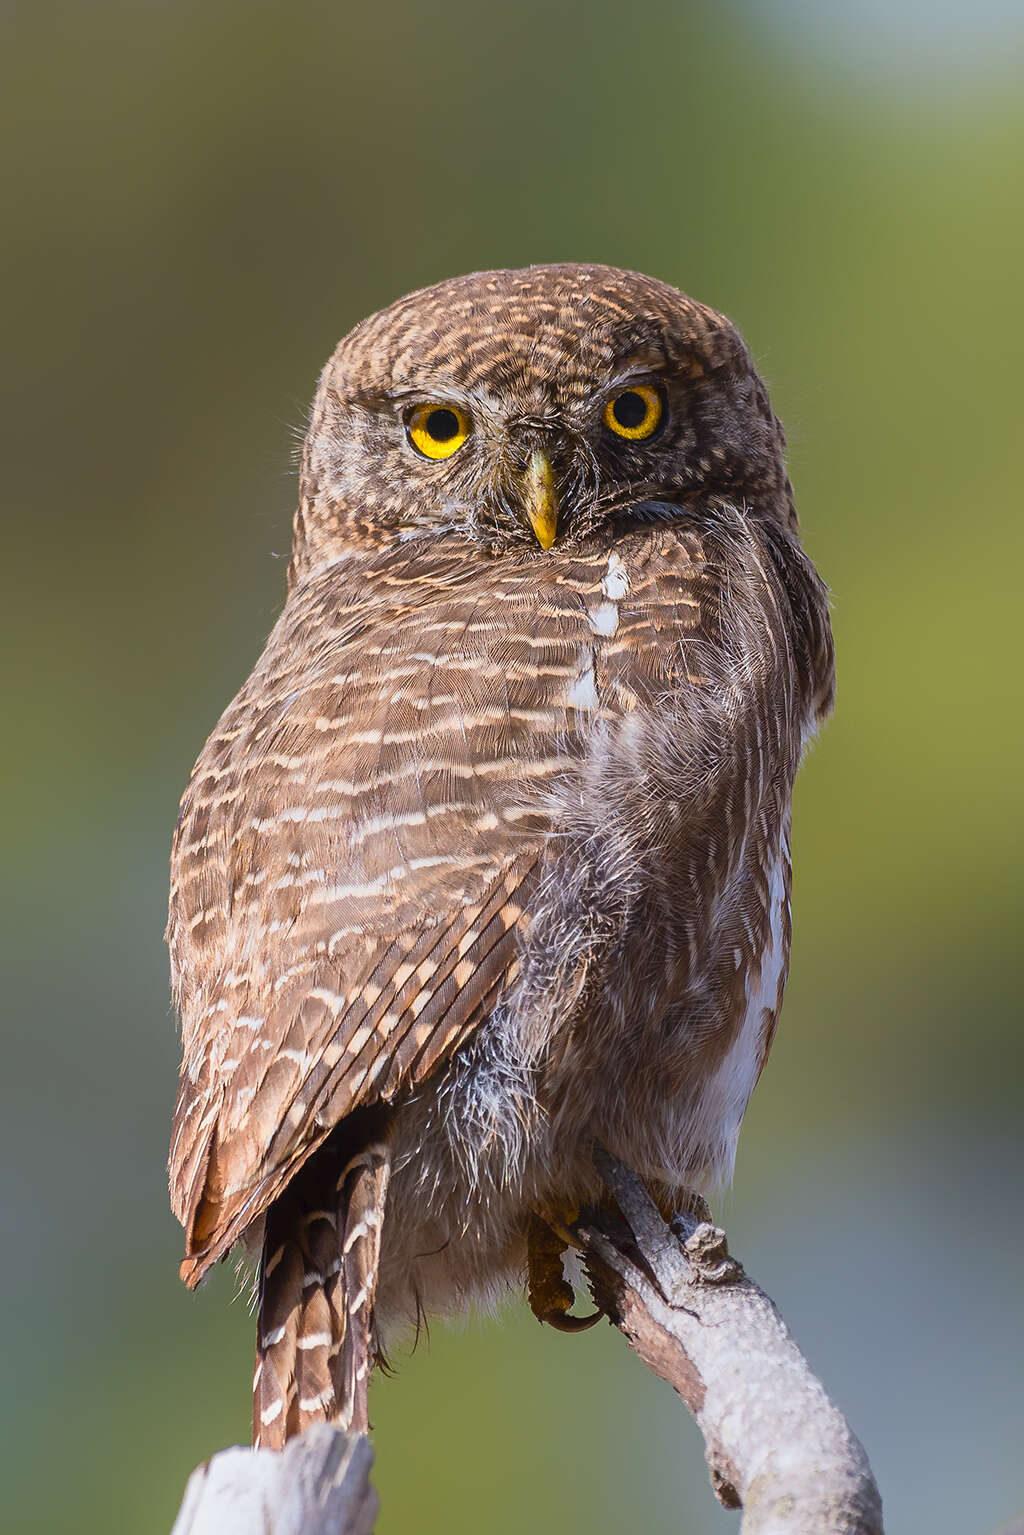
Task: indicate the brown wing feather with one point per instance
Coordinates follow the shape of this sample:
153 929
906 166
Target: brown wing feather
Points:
368 1051
351 869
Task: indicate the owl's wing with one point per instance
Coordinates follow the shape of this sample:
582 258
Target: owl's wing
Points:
352 863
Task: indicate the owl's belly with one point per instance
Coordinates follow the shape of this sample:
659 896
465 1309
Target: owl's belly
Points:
494 1138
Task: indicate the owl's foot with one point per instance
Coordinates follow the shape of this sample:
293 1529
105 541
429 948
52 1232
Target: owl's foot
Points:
550 1293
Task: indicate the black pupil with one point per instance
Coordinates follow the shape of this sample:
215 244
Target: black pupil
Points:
630 409
443 425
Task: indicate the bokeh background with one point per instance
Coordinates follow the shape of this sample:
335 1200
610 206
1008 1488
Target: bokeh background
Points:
200 199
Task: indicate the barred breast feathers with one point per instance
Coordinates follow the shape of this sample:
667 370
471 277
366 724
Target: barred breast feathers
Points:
369 828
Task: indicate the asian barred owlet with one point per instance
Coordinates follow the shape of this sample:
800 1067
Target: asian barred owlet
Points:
488 861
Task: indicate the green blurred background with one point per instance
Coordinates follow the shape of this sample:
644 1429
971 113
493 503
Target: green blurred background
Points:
201 198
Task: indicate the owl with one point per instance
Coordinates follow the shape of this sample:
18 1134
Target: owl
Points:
488 862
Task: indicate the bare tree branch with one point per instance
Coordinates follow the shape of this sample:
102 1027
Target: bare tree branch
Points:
777 1447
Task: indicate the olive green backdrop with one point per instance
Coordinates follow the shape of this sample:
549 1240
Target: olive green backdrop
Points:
200 199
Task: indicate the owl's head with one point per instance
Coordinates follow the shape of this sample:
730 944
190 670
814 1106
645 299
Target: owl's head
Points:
530 409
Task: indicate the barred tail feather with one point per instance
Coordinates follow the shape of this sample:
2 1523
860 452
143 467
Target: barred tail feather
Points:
318 1275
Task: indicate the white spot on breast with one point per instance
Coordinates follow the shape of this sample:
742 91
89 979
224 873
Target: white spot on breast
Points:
604 619
616 581
582 693
604 616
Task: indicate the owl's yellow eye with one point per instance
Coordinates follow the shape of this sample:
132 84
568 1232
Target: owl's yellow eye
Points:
437 431
635 413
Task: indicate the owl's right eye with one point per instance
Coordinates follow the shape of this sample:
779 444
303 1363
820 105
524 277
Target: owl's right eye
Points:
437 431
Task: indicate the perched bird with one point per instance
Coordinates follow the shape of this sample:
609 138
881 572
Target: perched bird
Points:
489 859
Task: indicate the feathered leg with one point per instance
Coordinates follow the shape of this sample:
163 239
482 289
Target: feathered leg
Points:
318 1274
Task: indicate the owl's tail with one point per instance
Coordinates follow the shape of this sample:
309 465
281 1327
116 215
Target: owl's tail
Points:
318 1275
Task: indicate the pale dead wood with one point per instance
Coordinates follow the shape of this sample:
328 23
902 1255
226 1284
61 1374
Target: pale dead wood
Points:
776 1445
319 1484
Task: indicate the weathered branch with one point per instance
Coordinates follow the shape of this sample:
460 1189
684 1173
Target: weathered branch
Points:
319 1484
777 1447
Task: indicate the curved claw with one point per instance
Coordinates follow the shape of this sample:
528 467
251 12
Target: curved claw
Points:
550 1295
564 1321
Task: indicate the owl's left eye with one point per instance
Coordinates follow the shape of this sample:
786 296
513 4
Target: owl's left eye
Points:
635 413
437 431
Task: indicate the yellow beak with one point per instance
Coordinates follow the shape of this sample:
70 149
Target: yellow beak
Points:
540 499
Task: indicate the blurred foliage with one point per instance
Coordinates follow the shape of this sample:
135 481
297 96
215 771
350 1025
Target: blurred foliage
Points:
200 199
